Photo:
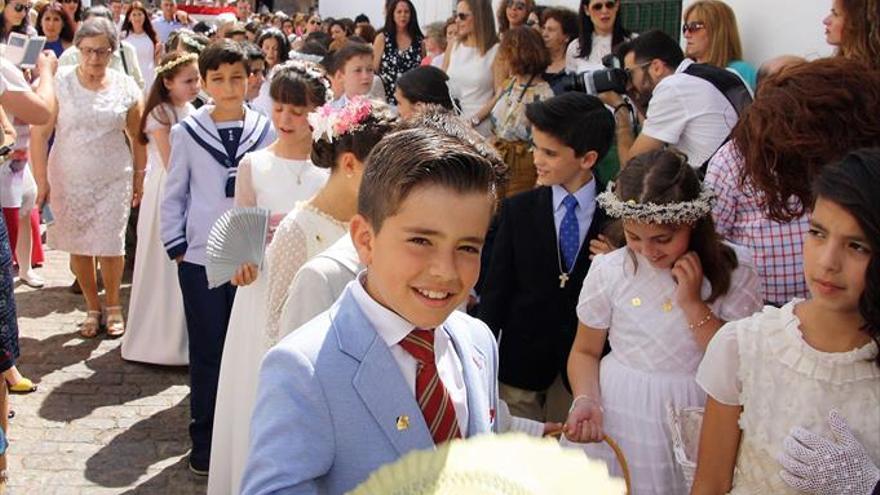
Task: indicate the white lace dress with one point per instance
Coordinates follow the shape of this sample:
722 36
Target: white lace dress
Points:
280 185
654 358
90 165
156 329
763 364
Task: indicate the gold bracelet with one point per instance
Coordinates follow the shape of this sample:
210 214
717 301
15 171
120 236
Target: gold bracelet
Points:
702 322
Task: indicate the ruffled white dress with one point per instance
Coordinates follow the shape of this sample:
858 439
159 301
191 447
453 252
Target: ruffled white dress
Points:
654 358
763 364
281 186
156 329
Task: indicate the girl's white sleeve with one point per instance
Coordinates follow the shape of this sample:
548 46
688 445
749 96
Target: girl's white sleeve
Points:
718 374
594 303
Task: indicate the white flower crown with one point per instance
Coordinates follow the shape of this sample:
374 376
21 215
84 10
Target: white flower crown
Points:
680 212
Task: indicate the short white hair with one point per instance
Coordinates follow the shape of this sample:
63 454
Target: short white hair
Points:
97 26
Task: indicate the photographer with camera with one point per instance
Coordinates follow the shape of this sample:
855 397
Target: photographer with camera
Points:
687 105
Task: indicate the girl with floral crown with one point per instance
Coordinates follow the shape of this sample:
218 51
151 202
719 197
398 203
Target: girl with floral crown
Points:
343 137
156 325
659 300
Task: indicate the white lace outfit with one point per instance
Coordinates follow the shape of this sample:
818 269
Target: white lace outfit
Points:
281 185
763 364
156 330
90 165
654 358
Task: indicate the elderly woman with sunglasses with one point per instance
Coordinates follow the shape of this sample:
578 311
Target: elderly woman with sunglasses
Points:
601 29
92 177
713 38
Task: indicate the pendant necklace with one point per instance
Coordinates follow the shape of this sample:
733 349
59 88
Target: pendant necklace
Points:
564 276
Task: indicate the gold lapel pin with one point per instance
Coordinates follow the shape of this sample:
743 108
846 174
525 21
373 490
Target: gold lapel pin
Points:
636 302
402 422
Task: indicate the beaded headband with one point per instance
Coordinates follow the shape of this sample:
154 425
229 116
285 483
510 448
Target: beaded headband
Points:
329 122
183 59
680 212
308 69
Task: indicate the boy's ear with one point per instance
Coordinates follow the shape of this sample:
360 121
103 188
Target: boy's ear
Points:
588 161
363 238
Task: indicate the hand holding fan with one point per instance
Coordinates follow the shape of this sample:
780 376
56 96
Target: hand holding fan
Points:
237 237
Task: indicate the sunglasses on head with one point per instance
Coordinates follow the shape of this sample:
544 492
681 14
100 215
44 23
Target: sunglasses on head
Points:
461 16
692 27
596 7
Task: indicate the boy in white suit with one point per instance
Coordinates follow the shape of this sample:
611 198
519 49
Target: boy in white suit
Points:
390 367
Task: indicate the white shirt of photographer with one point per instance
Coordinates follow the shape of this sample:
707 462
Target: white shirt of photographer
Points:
690 114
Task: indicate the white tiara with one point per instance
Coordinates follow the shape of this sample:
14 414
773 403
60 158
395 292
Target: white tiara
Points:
680 212
308 57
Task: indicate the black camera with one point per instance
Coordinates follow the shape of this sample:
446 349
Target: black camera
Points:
611 78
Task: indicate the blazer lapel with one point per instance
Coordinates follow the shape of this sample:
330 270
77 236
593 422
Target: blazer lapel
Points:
255 128
546 227
378 381
474 368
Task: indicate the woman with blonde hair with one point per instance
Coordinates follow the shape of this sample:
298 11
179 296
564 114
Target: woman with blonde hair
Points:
713 38
470 61
853 26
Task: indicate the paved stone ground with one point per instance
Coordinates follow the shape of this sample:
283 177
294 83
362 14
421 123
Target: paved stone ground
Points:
97 424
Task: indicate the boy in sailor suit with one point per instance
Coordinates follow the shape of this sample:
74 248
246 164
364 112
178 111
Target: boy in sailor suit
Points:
205 150
391 367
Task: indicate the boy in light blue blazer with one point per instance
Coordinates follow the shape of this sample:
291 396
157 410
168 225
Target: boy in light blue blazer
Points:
205 150
391 367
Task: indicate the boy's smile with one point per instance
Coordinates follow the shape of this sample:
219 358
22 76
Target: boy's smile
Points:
424 261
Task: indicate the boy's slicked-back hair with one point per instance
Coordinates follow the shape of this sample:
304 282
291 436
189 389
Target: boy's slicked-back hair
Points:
420 157
222 52
578 120
350 50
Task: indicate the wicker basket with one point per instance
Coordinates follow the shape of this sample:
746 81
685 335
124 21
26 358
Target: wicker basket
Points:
618 453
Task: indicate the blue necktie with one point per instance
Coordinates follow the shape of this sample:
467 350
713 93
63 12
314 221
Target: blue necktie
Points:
569 238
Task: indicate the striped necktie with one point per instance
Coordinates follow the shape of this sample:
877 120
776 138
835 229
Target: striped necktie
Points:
433 398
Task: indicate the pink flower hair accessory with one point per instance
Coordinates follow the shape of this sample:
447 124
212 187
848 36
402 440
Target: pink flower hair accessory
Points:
329 122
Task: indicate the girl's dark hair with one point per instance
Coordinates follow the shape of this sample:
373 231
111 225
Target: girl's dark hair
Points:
159 100
390 28
68 27
665 176
148 25
277 35
426 84
360 142
293 85
619 34
852 184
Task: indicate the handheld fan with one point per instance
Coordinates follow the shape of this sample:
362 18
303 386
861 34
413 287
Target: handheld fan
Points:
237 237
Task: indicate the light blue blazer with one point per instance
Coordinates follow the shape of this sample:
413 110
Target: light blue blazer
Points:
333 406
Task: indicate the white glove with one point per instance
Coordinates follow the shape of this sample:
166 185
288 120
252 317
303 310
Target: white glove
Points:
816 465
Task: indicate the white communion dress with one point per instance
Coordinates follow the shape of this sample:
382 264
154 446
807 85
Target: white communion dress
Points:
282 186
156 329
654 358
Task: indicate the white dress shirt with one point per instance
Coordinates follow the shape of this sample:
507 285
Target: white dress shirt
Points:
392 328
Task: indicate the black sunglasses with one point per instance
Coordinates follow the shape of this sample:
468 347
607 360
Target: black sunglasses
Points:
462 16
19 7
596 7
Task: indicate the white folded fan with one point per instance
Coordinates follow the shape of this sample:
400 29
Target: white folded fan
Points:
237 237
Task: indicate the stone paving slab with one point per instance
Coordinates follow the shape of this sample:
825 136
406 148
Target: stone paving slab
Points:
98 424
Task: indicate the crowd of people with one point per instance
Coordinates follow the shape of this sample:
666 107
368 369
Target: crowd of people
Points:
530 220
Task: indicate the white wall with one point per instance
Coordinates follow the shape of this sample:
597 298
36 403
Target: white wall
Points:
428 10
